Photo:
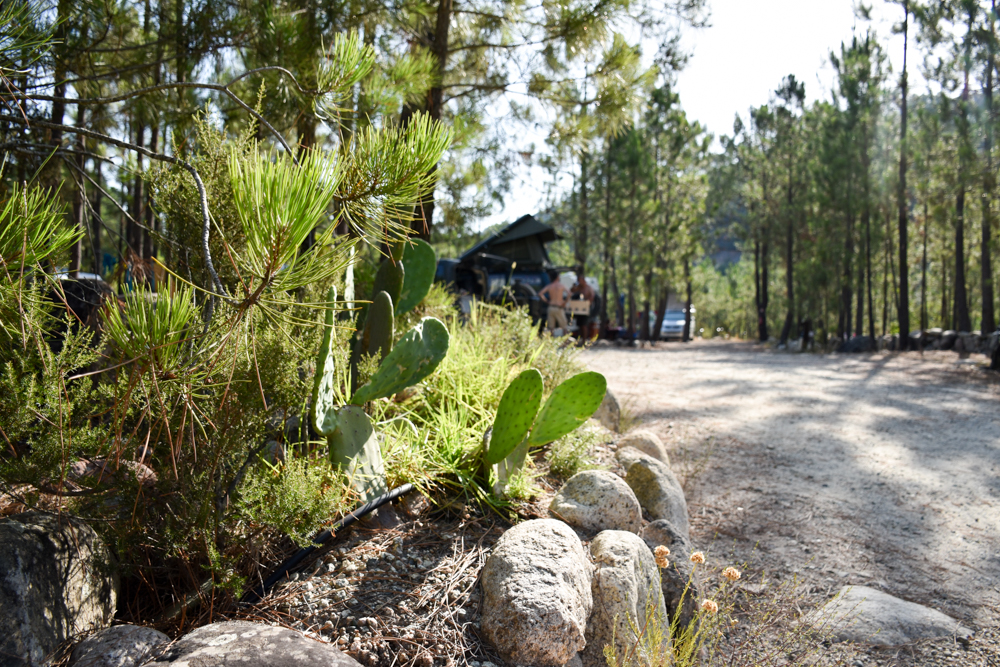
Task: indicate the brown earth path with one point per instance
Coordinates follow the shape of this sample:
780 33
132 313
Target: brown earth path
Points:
879 470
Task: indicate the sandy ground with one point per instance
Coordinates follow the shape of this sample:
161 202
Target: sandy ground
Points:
879 470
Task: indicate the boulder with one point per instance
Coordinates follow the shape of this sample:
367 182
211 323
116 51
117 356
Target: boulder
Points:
656 487
968 343
239 642
626 592
948 339
609 414
118 646
857 344
863 614
536 594
597 500
58 580
646 442
681 590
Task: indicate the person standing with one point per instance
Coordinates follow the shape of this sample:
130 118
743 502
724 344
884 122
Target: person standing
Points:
555 295
581 290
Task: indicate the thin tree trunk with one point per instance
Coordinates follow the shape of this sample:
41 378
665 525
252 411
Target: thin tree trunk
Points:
903 306
789 264
846 296
96 224
645 333
924 324
580 252
868 261
764 288
989 184
687 302
79 201
138 213
607 252
962 319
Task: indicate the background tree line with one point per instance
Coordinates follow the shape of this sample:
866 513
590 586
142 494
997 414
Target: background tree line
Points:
869 212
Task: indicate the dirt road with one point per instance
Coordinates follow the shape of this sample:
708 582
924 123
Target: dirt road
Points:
881 470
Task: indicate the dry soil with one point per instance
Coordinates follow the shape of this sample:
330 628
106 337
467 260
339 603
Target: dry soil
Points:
877 469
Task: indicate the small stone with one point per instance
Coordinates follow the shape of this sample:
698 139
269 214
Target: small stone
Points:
118 646
656 487
609 413
646 442
868 615
597 500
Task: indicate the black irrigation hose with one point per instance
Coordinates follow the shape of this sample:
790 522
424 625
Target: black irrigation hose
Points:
319 540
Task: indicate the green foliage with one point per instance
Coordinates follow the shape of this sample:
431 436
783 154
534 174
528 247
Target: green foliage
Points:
295 497
574 452
515 415
279 204
421 264
153 328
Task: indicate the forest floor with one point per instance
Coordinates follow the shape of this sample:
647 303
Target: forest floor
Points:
879 469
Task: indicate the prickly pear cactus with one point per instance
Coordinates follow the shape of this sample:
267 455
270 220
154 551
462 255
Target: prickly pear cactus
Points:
420 263
354 447
389 278
413 358
569 405
515 415
512 463
379 327
324 408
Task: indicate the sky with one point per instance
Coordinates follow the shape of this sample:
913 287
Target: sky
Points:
737 61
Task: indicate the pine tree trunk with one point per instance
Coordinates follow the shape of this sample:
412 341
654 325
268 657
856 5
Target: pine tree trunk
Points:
903 307
989 185
924 324
96 224
607 252
580 252
687 302
764 285
962 320
846 296
868 262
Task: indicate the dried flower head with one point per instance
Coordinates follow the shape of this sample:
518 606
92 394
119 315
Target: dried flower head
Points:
731 573
661 553
697 557
710 606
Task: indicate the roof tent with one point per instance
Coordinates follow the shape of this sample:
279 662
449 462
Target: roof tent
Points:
523 241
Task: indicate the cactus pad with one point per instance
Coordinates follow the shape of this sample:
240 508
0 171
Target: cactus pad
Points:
420 263
377 337
354 447
413 358
515 415
324 411
389 279
507 467
569 405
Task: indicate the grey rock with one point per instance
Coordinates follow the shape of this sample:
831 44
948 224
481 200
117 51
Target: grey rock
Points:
537 594
656 487
118 646
609 413
646 442
857 344
57 580
948 339
863 614
242 643
680 581
596 500
626 585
